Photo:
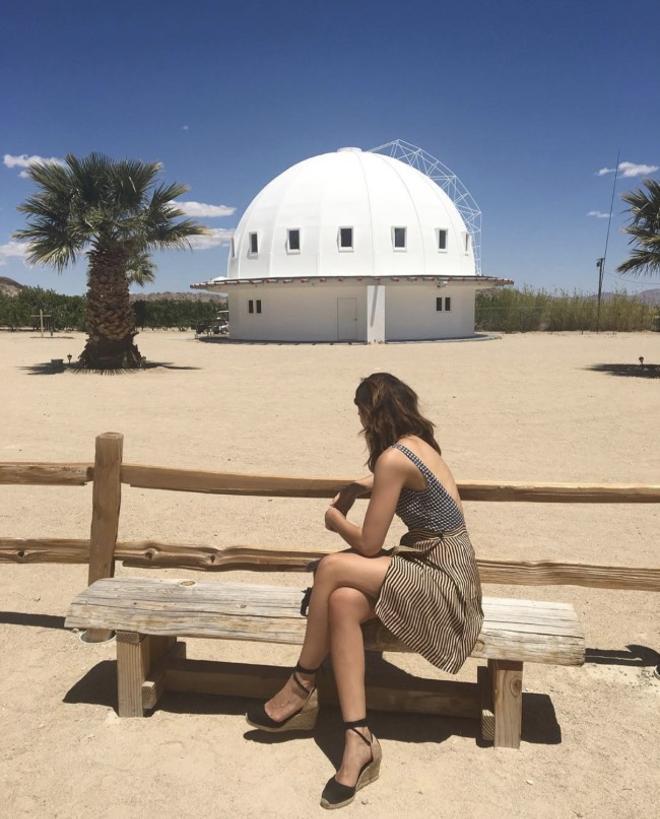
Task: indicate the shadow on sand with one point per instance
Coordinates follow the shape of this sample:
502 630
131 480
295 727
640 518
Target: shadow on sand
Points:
47 368
628 370
540 726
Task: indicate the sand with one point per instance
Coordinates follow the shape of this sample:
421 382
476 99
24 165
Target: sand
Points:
523 407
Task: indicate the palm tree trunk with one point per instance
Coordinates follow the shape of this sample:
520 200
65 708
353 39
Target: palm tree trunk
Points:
108 315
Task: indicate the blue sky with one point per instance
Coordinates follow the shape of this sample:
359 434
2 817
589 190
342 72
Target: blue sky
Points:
524 100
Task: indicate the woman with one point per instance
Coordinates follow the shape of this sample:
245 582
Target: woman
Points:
426 590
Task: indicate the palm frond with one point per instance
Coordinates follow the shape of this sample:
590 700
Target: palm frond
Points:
643 229
140 269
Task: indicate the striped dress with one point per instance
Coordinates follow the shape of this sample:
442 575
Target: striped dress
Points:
431 596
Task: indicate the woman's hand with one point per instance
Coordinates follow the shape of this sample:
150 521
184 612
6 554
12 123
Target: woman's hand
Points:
333 517
345 498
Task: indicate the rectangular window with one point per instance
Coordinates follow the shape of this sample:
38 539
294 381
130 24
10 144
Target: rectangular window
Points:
467 242
250 306
254 244
442 239
346 238
293 241
399 238
447 304
258 305
443 305
438 303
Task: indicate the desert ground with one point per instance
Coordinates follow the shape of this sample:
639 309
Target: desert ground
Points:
519 407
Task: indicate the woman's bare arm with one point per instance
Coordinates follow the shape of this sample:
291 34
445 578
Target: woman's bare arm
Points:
368 539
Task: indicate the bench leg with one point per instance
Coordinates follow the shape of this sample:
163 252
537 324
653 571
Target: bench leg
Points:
132 669
506 682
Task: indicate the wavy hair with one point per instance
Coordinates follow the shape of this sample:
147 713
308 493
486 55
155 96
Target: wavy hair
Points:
390 410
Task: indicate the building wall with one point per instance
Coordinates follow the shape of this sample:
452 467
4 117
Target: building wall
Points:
292 312
410 312
309 312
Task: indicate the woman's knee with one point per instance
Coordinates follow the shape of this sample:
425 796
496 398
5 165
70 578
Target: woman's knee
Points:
329 566
346 603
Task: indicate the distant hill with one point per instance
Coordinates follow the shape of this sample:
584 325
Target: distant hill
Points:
169 296
650 296
645 296
9 287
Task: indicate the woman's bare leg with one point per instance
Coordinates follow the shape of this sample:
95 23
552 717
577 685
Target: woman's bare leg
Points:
348 609
365 574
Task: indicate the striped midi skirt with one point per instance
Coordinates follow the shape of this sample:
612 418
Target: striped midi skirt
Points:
431 596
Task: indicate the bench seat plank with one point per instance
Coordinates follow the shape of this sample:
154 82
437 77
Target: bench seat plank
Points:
517 630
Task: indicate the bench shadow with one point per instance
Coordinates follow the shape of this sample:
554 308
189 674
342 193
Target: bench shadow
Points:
16 618
627 370
636 656
540 726
97 687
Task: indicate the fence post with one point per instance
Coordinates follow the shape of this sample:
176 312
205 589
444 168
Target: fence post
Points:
106 502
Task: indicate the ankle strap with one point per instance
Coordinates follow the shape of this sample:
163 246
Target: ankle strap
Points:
307 670
358 723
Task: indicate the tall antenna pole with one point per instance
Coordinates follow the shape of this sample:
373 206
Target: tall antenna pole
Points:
601 262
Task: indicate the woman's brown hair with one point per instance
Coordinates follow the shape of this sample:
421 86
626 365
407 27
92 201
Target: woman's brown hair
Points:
390 411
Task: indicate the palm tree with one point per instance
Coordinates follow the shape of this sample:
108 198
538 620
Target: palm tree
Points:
115 213
644 228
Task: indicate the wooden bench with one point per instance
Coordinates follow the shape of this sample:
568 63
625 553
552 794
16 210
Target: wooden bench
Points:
149 614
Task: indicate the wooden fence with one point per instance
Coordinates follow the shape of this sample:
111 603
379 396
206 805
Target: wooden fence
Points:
108 473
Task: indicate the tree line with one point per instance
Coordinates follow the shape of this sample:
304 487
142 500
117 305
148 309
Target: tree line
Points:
511 310
505 309
68 312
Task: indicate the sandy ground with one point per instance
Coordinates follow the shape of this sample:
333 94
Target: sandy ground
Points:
523 407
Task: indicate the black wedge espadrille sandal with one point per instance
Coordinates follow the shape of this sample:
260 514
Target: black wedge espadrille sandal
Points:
336 795
302 720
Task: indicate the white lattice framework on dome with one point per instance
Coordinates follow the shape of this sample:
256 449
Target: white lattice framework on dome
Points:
447 180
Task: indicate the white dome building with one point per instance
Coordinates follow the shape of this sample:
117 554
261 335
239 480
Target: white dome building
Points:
352 246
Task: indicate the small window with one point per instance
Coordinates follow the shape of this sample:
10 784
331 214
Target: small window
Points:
447 304
399 238
467 242
293 241
442 239
250 306
438 303
346 238
254 244
258 305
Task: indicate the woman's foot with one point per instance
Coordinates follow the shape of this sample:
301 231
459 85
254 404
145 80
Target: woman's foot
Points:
291 697
295 707
356 755
360 766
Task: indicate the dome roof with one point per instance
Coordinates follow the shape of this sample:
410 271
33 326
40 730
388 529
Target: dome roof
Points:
336 214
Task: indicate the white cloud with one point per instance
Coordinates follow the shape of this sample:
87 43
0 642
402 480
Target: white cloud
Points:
630 169
24 161
214 237
202 209
598 214
185 127
13 250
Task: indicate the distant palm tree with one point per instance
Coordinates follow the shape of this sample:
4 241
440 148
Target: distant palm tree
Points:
644 228
115 213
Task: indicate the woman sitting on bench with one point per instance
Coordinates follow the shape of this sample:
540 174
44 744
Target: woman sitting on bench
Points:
426 590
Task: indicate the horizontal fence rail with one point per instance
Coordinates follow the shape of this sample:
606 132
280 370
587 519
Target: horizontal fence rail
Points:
231 483
155 555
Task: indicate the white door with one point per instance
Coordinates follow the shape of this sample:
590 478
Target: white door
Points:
347 329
